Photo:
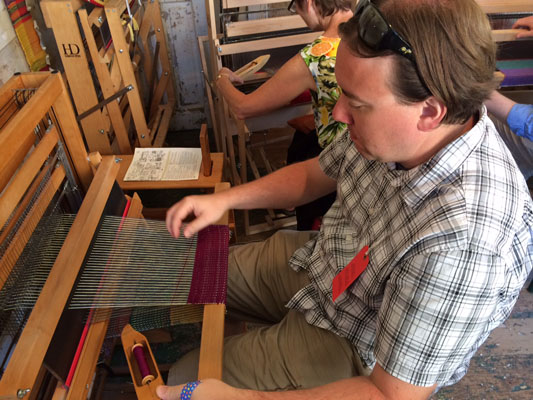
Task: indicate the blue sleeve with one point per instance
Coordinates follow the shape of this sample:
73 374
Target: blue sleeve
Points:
520 120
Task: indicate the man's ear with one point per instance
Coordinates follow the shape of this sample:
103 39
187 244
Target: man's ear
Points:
432 113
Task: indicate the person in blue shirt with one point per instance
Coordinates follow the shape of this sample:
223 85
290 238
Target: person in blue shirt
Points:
514 122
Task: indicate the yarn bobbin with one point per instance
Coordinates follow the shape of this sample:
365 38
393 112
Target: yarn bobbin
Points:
140 357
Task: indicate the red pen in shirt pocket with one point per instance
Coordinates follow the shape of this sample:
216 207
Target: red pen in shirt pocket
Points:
350 273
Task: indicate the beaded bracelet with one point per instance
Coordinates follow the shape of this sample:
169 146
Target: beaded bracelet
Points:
187 390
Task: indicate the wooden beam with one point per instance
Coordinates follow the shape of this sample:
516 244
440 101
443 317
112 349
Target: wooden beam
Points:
264 44
244 3
506 6
27 172
212 343
17 137
25 363
25 231
264 25
83 376
505 35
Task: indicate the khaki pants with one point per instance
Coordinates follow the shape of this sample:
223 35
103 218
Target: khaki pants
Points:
287 354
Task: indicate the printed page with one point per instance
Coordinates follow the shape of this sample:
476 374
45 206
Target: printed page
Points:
182 164
148 164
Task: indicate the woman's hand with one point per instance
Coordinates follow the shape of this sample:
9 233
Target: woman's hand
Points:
232 76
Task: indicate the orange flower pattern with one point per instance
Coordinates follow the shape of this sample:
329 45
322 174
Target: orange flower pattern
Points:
320 57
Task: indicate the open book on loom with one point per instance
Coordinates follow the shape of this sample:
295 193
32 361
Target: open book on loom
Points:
164 164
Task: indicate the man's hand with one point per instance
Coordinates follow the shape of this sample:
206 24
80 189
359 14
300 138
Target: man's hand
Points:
207 210
527 24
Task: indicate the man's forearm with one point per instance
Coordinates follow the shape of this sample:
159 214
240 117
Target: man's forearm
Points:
288 187
357 388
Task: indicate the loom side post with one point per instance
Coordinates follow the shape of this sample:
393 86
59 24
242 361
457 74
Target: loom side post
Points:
207 163
211 347
26 360
87 363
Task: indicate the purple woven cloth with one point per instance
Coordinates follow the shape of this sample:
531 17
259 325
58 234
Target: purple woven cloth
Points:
517 72
210 275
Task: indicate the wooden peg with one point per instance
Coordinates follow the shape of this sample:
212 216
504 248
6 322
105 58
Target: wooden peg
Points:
207 163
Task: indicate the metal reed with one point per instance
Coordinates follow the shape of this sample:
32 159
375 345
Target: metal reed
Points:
135 263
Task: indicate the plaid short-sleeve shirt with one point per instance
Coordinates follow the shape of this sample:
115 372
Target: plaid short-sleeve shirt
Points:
450 248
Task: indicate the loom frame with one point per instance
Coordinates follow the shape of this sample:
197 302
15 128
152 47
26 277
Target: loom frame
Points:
141 116
25 370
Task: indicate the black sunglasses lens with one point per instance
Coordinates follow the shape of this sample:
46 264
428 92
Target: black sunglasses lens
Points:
372 27
361 4
291 7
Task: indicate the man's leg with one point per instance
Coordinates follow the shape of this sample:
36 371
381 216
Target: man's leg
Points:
288 355
260 283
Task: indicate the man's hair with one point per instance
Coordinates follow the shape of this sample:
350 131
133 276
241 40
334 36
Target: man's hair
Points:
329 7
453 48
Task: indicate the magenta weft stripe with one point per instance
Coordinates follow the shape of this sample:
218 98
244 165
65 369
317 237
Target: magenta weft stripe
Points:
210 275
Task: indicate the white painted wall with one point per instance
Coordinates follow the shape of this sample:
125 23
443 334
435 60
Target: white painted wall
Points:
11 55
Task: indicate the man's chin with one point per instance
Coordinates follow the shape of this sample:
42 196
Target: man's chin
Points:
360 149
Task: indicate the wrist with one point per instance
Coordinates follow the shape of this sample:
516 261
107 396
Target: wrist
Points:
187 390
219 76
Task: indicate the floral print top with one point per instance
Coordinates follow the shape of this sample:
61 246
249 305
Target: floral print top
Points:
320 57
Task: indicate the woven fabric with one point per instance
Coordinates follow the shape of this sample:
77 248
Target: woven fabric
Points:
210 274
26 34
517 72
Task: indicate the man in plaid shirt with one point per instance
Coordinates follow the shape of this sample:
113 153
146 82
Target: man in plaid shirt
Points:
426 247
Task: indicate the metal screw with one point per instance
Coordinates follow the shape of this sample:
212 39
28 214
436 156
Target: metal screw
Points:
219 49
166 73
121 51
22 392
142 136
159 29
117 160
100 19
101 131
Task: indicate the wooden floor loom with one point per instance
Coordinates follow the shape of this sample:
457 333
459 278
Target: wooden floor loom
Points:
35 169
118 70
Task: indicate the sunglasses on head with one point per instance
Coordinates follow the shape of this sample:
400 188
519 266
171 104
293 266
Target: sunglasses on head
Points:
292 7
376 32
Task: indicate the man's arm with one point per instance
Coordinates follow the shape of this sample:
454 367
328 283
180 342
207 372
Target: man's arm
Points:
288 82
378 386
291 186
